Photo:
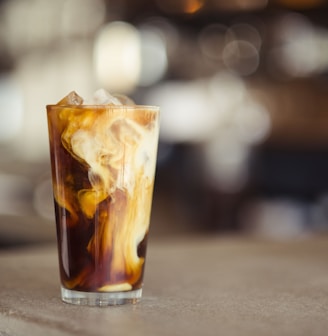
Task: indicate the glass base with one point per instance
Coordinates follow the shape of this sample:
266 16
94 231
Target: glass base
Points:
100 298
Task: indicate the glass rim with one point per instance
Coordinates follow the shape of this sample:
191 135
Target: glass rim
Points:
94 106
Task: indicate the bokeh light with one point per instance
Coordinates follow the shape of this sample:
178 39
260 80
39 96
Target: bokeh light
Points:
154 62
186 112
301 49
226 162
244 32
126 57
252 122
241 57
11 111
180 6
117 57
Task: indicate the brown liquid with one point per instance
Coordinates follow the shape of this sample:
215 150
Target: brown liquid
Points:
103 163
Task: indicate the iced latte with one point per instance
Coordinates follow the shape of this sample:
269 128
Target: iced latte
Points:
103 160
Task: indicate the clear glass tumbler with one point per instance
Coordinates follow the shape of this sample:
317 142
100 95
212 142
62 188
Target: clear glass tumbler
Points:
103 160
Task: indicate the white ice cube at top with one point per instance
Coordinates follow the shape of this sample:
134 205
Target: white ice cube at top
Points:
103 97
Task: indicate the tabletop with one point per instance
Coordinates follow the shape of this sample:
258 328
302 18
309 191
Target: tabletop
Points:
193 286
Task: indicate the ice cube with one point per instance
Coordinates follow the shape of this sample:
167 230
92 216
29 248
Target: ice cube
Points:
125 100
71 99
102 97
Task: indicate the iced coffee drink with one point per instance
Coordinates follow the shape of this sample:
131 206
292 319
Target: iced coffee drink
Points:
103 158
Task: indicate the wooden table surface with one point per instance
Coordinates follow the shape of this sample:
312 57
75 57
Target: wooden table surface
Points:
195 286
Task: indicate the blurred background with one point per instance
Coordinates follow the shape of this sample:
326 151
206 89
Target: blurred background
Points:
243 91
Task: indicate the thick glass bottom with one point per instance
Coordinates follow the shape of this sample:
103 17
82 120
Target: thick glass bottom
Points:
100 298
